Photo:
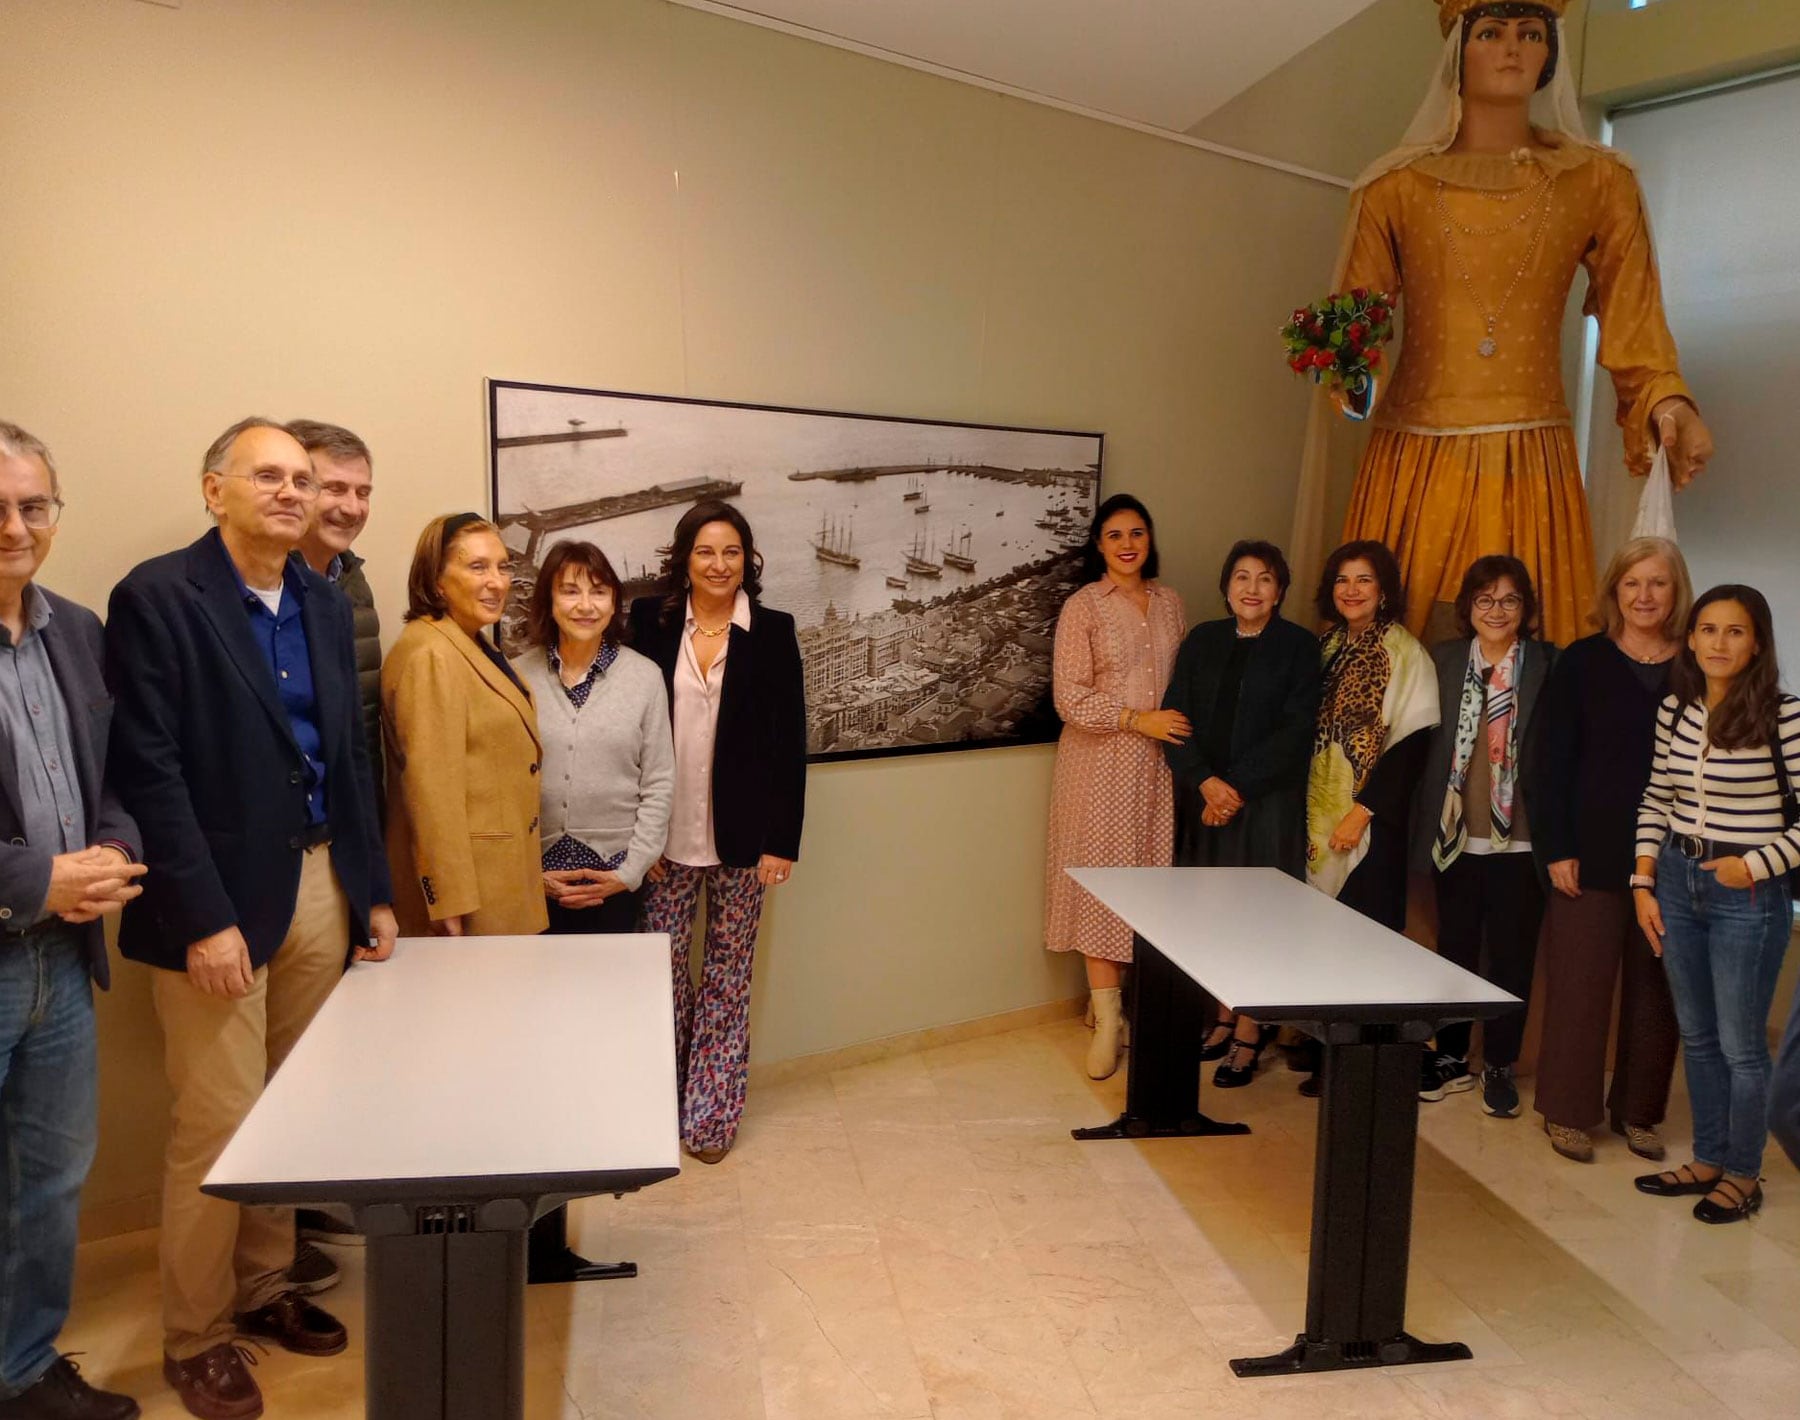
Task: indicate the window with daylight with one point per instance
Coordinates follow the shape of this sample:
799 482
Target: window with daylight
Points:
1725 216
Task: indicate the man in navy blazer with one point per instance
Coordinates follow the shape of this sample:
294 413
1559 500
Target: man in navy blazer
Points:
239 748
68 857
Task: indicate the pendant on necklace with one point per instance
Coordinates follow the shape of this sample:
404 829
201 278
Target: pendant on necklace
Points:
1487 348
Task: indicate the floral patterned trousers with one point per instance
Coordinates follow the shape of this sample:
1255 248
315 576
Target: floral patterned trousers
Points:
712 1026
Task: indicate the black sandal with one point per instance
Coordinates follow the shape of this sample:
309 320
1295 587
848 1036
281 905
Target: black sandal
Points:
1220 1048
1747 1203
1231 1077
1670 1183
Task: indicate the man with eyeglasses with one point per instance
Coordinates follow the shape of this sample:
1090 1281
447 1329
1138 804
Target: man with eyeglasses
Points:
238 746
68 857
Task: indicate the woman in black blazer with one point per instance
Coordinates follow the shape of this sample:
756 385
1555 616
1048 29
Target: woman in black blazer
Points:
737 700
1249 685
1472 829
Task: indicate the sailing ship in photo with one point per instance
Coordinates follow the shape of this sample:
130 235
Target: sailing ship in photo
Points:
919 562
924 563
958 555
833 543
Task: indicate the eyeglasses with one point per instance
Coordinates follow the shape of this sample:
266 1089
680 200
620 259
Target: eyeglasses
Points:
1510 602
267 480
36 513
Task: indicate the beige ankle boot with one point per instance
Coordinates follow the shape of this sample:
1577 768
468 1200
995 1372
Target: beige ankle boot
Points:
1103 1050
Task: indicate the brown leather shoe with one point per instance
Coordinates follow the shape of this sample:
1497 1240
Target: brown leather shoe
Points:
296 1325
216 1385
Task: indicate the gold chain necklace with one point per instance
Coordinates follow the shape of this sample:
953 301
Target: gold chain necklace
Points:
1491 319
1537 192
700 630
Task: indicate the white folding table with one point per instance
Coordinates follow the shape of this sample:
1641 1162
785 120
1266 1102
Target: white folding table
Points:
446 1098
1276 949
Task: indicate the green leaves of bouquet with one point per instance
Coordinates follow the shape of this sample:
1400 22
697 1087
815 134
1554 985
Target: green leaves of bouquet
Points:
1337 341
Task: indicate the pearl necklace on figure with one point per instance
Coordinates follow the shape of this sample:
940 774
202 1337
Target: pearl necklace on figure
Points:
1491 319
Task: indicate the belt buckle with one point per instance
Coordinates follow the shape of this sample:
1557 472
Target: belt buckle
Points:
1690 846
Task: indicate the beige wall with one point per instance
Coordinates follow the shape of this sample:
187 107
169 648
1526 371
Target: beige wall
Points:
358 212
1683 44
1344 100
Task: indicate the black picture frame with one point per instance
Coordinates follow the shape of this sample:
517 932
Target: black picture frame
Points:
960 652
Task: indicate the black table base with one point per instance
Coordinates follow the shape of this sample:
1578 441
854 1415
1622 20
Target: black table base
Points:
446 1310
550 1259
1169 1020
445 1291
1362 1175
1362 1209
1309 1355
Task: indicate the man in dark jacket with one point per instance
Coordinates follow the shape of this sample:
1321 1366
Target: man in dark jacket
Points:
344 469
239 749
68 855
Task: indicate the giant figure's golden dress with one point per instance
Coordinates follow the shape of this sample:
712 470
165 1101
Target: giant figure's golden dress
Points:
1474 454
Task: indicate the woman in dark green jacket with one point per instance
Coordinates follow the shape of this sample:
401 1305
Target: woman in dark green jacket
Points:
1249 684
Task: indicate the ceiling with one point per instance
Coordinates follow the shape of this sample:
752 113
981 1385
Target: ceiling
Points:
1167 63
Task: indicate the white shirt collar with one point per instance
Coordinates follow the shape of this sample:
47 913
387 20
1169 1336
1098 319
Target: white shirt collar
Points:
740 611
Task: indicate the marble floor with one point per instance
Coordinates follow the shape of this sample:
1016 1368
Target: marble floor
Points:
921 1238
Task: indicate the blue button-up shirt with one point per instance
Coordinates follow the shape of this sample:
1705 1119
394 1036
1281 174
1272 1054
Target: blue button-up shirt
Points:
282 637
34 727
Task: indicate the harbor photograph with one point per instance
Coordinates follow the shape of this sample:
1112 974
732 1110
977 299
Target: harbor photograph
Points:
924 562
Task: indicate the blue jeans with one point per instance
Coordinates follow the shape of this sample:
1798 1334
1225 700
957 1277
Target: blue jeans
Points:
48 1094
1784 1089
1722 948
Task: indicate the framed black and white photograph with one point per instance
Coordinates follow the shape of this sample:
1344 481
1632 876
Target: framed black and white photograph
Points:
924 562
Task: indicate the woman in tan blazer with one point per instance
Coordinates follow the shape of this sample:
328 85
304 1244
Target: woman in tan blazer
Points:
462 745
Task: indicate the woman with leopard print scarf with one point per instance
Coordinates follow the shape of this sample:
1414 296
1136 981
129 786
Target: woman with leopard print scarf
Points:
1379 706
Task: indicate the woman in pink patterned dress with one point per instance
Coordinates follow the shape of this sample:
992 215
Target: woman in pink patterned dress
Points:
1111 804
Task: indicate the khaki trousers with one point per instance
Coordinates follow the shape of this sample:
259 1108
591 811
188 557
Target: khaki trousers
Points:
219 1257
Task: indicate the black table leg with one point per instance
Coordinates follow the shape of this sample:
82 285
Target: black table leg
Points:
1362 1213
1169 1017
549 1258
446 1311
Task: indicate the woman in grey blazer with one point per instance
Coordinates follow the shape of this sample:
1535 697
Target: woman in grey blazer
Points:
609 766
1471 825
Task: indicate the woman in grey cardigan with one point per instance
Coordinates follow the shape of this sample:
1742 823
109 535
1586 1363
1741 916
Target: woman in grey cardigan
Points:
608 770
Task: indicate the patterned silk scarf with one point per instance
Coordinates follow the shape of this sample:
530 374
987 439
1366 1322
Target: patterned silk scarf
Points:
1499 695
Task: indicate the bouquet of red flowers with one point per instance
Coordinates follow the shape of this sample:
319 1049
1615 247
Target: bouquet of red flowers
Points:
1338 342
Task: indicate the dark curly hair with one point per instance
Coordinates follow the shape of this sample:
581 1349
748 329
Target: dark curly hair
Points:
1093 565
674 577
540 618
1387 573
1483 573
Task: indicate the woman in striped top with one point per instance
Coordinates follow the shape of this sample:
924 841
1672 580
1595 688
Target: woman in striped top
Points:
1715 847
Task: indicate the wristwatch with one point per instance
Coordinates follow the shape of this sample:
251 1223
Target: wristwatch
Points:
1643 880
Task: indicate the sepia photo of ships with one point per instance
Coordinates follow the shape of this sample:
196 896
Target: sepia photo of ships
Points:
925 564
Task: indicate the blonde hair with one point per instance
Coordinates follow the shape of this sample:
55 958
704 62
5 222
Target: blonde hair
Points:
1606 614
441 534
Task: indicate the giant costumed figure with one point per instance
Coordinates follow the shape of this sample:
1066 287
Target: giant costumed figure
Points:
1478 222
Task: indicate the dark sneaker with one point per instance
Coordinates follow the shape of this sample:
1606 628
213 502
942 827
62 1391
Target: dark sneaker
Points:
216 1385
312 1272
296 1325
323 1228
61 1394
1499 1093
1442 1075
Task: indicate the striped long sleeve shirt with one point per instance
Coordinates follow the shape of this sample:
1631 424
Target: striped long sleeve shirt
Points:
1729 795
